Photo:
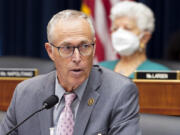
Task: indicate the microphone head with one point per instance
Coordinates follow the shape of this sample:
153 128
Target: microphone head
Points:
50 101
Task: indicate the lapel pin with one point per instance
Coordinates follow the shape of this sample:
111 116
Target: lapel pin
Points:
90 101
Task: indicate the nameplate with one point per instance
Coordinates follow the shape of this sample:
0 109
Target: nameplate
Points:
18 72
157 75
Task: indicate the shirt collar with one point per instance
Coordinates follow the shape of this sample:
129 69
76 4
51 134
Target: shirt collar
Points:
59 90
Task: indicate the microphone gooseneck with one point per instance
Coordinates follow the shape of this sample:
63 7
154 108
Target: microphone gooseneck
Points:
47 104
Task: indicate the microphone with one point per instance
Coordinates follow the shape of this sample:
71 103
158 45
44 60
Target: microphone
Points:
47 104
50 102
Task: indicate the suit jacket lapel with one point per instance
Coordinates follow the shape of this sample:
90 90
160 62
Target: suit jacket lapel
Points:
46 116
85 108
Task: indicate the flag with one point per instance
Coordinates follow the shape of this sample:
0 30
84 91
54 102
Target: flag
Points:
99 11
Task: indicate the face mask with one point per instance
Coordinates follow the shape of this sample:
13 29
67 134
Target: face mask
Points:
125 42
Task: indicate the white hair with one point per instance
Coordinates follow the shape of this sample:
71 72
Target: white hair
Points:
64 15
144 16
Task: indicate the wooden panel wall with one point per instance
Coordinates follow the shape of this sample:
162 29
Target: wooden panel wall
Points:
7 87
159 96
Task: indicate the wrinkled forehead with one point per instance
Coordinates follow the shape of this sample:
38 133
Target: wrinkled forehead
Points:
71 29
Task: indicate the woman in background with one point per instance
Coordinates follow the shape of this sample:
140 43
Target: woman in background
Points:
132 27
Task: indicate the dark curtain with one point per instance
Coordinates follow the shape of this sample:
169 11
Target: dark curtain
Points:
167 14
24 24
1 27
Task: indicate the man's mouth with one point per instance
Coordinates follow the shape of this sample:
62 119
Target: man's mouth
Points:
77 72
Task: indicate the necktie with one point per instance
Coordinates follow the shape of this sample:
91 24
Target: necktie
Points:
66 122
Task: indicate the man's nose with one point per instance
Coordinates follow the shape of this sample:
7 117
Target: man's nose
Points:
76 57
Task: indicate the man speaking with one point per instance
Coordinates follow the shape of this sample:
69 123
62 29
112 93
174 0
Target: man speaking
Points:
92 100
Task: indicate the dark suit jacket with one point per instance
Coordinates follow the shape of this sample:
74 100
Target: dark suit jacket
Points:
114 111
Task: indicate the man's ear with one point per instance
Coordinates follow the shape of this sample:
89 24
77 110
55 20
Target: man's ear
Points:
49 50
94 52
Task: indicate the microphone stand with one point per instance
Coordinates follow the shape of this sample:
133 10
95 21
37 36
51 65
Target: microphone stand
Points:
47 104
44 106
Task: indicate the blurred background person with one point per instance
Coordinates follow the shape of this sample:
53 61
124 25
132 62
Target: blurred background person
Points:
132 28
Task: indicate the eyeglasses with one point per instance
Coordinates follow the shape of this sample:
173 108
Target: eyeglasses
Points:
67 51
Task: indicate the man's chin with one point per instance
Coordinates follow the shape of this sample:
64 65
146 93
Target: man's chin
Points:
77 82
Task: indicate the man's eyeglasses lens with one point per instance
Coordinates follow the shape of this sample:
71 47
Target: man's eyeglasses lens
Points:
67 51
